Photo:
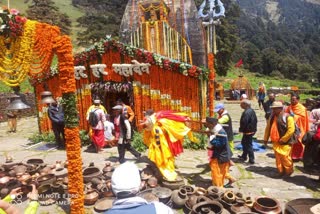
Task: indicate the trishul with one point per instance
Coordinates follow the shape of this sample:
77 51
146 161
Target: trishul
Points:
211 15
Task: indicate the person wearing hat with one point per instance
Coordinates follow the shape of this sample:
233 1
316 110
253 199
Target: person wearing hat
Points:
280 128
95 102
248 127
219 151
225 120
123 134
300 116
125 183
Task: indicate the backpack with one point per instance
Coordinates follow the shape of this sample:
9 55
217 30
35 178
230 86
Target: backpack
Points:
93 118
283 126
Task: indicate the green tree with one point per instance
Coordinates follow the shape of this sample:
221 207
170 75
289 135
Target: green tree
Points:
46 11
227 38
95 28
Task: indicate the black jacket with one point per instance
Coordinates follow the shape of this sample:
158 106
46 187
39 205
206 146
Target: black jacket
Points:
56 114
248 121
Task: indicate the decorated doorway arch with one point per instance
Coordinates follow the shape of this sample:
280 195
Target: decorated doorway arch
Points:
26 49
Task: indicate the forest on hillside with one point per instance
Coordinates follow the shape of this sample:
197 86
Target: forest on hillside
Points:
288 48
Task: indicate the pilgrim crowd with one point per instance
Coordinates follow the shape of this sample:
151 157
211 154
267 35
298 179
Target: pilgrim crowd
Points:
293 133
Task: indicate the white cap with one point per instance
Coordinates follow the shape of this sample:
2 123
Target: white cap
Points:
117 107
126 178
244 96
97 101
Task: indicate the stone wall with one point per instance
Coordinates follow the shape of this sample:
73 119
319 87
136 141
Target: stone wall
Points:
5 101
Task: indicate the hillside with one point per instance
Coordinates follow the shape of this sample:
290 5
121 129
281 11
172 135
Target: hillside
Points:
277 38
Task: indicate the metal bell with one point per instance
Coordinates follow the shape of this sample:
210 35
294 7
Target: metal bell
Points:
46 97
17 104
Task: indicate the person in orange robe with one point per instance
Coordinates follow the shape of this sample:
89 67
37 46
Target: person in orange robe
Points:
300 115
280 128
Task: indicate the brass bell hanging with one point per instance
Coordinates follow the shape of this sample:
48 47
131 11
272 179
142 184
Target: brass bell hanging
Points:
46 97
17 104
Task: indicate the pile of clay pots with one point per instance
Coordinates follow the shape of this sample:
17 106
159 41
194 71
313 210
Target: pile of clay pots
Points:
50 180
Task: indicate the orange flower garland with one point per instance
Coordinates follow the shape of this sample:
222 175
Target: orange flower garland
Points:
63 49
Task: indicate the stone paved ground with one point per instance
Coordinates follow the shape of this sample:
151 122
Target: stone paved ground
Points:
252 180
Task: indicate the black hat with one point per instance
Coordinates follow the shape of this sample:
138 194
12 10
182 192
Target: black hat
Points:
211 120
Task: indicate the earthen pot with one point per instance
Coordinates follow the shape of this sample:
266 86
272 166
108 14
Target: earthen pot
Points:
239 207
19 169
108 167
229 197
189 189
201 191
4 180
45 170
179 198
208 207
164 194
267 205
91 172
35 161
46 179
90 196
25 178
107 175
13 184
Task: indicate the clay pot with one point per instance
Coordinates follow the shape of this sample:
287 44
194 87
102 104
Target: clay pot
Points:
107 175
249 201
46 196
266 205
192 200
229 197
108 167
239 207
208 207
46 170
19 169
13 184
96 181
90 196
4 180
12 173
201 191
214 192
60 172
58 165
25 178
46 179
103 204
179 198
189 189
8 165
35 161
106 192
91 172
57 187
164 194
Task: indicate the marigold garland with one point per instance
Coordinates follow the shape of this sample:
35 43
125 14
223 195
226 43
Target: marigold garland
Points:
16 55
63 48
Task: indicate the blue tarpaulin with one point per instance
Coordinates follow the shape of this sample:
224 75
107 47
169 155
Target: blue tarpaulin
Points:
257 147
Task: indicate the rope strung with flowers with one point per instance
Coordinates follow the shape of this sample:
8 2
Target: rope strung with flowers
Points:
27 47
